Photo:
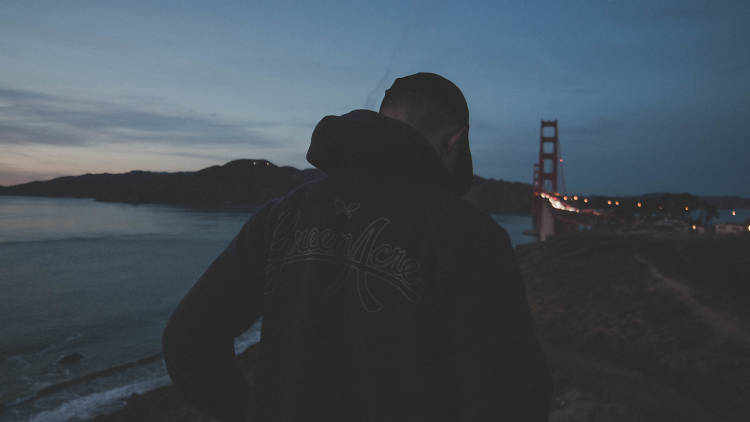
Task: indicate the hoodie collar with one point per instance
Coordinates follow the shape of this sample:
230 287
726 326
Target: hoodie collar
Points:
363 141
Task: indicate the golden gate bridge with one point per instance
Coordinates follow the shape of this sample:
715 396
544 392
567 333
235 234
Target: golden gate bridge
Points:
552 211
555 212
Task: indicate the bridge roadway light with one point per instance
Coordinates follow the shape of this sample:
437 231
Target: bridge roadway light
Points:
639 205
575 197
734 212
585 200
686 208
617 203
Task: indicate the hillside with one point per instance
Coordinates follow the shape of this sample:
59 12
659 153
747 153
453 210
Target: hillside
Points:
728 202
636 327
238 182
644 326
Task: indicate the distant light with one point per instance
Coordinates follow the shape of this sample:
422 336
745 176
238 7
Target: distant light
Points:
686 208
561 160
734 212
748 228
609 202
267 163
556 203
586 200
693 226
565 198
639 205
617 203
253 162
575 197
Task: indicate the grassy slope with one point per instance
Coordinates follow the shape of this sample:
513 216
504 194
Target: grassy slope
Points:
662 318
636 327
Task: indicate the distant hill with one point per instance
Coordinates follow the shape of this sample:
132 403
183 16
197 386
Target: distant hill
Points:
500 197
238 182
728 202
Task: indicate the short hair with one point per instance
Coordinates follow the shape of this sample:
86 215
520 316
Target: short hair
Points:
430 101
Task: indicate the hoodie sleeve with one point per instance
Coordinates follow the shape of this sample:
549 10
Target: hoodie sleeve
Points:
501 369
198 341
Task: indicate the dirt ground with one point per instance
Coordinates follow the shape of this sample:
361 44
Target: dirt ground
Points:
643 326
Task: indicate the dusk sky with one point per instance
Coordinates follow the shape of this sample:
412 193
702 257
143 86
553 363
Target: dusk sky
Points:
651 96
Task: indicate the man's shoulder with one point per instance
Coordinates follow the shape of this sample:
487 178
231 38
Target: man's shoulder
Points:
471 220
299 194
453 215
462 230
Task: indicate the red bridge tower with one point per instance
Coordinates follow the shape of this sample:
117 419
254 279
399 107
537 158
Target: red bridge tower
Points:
545 178
546 170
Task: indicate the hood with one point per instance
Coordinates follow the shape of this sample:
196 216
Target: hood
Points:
366 142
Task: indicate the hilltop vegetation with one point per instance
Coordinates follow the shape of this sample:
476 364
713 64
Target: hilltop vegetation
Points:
253 182
238 182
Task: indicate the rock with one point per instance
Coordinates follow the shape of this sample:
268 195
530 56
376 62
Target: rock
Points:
70 359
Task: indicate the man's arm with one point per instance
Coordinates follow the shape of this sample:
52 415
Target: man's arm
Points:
199 338
502 372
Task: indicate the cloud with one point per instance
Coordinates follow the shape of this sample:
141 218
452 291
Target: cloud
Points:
29 117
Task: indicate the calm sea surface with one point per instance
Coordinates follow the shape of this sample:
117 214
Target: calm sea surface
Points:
99 280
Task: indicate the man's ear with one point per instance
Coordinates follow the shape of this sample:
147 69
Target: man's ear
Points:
464 131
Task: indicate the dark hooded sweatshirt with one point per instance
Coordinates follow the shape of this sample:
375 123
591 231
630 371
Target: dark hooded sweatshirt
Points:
384 297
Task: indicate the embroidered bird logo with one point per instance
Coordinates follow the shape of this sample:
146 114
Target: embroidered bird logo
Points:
345 208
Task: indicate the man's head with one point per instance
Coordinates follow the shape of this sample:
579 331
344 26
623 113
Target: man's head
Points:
437 109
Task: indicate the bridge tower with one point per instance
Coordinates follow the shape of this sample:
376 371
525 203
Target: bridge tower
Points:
545 178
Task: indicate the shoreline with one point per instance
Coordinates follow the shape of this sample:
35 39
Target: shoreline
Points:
636 326
165 404
202 206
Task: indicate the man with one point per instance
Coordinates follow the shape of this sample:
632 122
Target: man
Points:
384 296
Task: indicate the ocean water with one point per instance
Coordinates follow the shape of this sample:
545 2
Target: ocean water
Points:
100 280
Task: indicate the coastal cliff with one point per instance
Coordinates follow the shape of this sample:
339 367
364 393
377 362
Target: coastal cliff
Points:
635 326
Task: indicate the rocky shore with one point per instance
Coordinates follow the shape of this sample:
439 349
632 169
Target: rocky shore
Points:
636 327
